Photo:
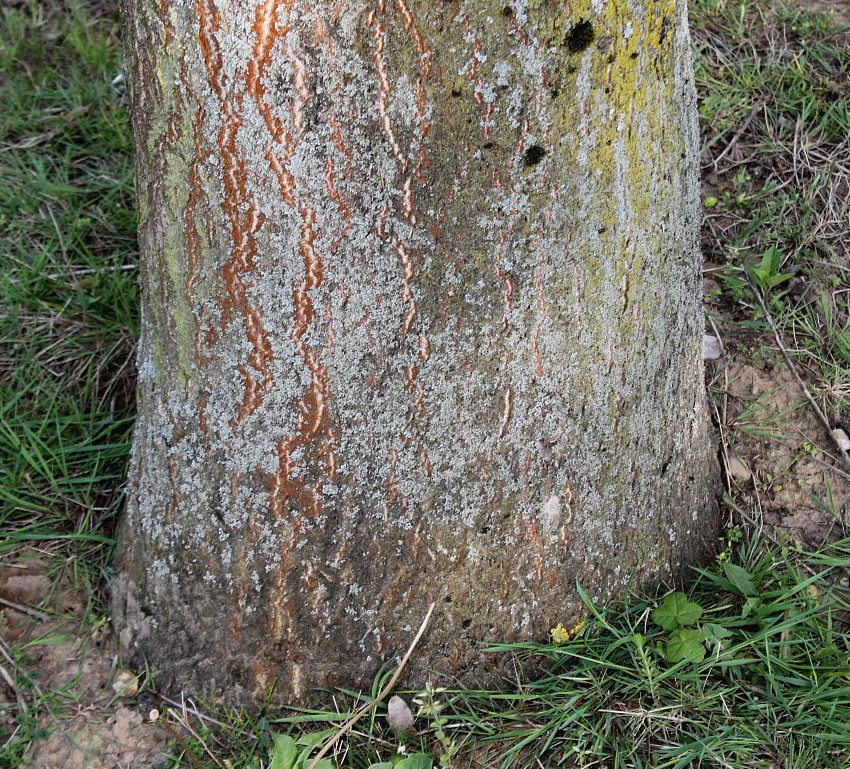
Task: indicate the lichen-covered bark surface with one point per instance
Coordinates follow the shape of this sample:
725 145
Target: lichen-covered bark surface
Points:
421 323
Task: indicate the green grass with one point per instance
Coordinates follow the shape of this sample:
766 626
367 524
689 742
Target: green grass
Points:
775 113
67 285
771 686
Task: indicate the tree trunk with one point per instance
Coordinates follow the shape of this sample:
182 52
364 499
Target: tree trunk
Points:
421 322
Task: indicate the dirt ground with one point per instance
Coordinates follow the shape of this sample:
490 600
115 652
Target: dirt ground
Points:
97 728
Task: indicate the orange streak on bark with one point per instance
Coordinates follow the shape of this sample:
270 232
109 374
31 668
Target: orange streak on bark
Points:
520 35
507 283
486 121
284 178
310 580
245 219
419 401
407 293
410 25
542 308
342 202
378 59
424 348
392 492
267 33
410 376
506 413
312 418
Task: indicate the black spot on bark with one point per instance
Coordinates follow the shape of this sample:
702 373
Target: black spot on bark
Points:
533 155
580 36
507 11
665 28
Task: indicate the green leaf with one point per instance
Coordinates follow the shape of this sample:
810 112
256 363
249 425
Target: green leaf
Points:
740 578
770 260
284 753
676 610
325 763
685 644
382 765
766 274
314 738
715 635
415 761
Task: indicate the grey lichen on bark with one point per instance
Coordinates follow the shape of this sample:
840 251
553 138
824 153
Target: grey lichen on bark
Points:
421 323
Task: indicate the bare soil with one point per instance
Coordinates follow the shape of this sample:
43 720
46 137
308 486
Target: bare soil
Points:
73 664
786 466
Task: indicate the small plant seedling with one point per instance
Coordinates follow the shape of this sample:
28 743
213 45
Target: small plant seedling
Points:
741 580
716 636
767 275
674 614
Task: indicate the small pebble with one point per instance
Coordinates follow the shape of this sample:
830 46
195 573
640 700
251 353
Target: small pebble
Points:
711 348
125 683
738 470
399 715
841 439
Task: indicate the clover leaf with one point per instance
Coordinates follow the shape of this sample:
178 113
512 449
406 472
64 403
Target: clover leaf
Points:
685 644
676 611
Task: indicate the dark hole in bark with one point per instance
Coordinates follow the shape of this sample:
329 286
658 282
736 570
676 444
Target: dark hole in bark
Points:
507 11
448 599
466 623
533 155
665 28
580 36
664 468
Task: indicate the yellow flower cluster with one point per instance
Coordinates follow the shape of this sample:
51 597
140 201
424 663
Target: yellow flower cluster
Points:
559 633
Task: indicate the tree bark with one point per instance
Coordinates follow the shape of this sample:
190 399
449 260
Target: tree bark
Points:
421 322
